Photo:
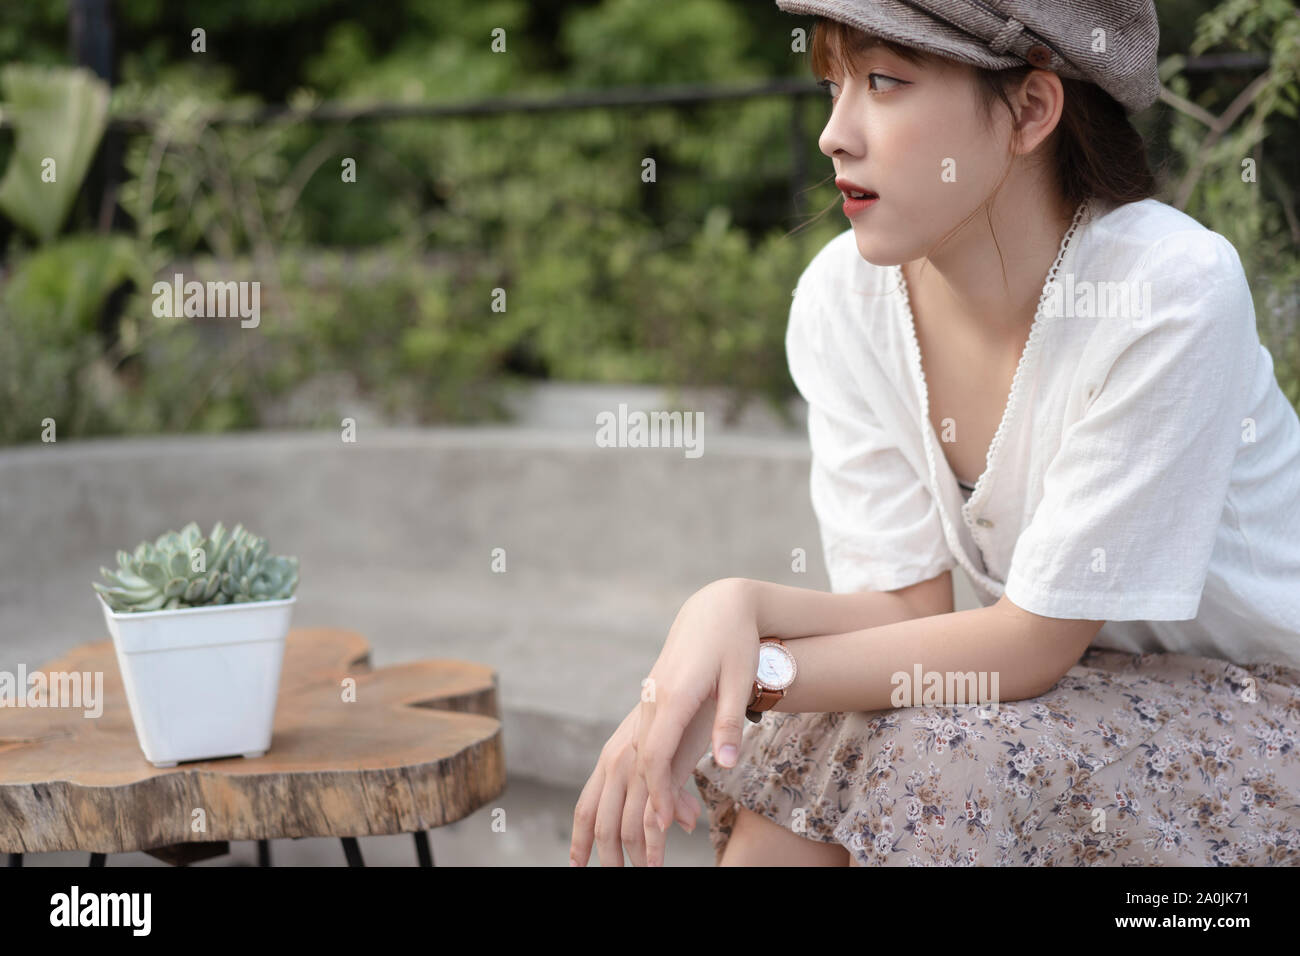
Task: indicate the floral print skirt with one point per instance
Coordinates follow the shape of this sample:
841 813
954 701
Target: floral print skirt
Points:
1130 760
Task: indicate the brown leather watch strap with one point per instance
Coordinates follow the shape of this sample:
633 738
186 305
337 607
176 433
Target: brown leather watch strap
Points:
760 698
764 701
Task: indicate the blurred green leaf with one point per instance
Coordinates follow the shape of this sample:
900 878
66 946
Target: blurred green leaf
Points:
70 278
59 115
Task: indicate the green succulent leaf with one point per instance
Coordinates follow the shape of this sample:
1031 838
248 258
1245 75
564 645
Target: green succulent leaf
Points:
131 580
153 604
178 564
154 573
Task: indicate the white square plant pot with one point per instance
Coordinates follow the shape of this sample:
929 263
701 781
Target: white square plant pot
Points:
201 682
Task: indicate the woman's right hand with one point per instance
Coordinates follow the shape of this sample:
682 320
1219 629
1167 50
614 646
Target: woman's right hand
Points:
611 808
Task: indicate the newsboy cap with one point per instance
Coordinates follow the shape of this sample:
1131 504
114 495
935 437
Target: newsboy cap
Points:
1111 43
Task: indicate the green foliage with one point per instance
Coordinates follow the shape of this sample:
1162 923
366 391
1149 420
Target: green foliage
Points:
53 367
645 244
1256 213
449 59
32 32
632 43
394 326
195 186
53 363
1241 24
185 569
58 116
74 276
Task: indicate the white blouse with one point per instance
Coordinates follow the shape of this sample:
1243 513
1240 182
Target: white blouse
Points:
1146 470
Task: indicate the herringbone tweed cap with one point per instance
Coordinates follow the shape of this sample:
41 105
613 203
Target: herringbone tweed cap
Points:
1108 42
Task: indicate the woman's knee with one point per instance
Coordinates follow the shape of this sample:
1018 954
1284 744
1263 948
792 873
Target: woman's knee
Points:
757 841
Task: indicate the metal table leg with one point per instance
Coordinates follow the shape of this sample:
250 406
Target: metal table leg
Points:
352 851
422 850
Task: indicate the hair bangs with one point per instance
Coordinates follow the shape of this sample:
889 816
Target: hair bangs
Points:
837 48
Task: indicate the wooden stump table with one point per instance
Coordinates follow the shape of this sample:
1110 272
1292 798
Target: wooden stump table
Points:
418 747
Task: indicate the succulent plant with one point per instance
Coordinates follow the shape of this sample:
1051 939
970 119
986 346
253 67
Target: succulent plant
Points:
236 568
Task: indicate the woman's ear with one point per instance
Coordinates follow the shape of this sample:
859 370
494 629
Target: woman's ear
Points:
1037 104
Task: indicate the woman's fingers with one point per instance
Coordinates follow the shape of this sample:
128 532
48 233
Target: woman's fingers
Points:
655 839
687 810
630 829
661 745
690 745
584 816
735 684
609 816
601 790
611 810
694 744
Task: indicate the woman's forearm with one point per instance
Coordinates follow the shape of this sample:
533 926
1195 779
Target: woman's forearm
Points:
963 657
788 612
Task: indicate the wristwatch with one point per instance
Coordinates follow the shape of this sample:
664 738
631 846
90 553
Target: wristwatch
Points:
776 670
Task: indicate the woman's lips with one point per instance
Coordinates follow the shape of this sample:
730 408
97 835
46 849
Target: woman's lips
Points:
854 206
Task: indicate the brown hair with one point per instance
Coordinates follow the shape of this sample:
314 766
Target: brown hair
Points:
1097 153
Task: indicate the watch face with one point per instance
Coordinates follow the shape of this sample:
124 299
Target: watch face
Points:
775 667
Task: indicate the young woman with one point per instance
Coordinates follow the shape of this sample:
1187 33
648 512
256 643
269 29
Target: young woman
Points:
1018 362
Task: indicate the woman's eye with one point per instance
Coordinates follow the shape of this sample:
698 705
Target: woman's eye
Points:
873 84
827 84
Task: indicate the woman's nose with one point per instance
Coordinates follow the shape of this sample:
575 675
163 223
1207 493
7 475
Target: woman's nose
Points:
839 134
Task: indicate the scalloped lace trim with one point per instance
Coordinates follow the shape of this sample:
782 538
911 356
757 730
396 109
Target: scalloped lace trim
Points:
1013 398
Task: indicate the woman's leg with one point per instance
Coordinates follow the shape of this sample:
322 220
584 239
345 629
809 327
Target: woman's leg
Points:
757 841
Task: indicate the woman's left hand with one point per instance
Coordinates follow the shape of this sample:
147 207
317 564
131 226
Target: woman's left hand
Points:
701 682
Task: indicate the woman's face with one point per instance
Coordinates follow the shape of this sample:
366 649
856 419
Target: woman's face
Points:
915 136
